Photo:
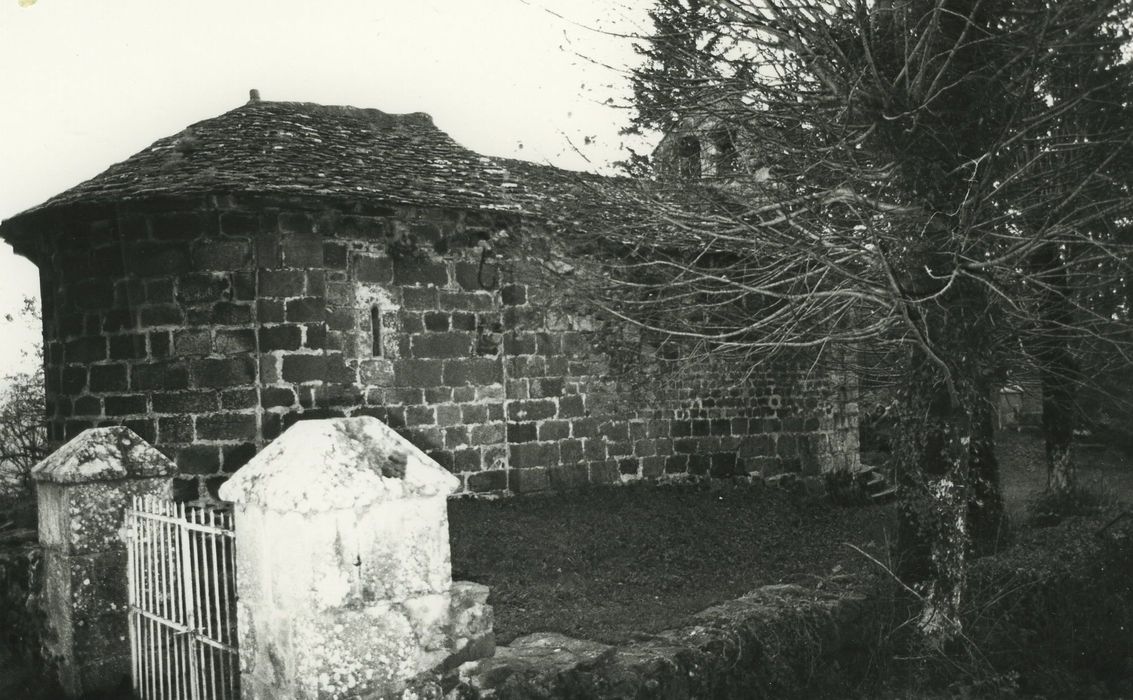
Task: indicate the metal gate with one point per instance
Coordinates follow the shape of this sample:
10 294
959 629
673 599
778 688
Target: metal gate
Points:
182 581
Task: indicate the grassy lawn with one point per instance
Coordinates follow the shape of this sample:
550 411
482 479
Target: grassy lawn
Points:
607 563
1105 471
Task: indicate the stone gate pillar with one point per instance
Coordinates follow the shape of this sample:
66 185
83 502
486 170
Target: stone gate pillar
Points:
342 558
83 490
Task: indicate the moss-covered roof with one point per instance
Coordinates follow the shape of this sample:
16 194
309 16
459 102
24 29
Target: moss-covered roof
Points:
300 148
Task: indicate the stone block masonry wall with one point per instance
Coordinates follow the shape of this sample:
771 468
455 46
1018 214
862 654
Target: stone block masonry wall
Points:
569 423
208 325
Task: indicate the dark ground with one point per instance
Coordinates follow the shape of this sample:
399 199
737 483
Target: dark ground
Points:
609 562
1105 471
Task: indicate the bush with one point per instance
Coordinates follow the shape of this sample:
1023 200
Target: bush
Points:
845 487
1052 507
1050 617
23 430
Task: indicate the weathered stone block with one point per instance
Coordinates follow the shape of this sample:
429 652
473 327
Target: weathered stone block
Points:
419 298
274 396
108 378
192 342
487 434
85 350
161 315
223 373
605 472
571 451
538 454
568 476
158 259
286 337
513 295
230 254
473 370
419 373
447 414
127 347
304 368
305 309
239 398
232 342
466 460
239 223
93 294
175 429
419 271
531 409
269 311
199 459
184 401
522 432
125 405
554 430
226 313
226 426
159 344
373 270
160 375
315 338
202 287
87 406
300 251
493 480
436 321
529 480
236 456
442 345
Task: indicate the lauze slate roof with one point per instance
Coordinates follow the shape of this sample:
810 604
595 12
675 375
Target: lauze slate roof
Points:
299 148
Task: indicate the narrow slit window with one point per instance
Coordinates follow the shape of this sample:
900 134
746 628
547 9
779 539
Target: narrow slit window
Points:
725 153
376 330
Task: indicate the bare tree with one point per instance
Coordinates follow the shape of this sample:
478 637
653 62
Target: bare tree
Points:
23 427
23 423
920 181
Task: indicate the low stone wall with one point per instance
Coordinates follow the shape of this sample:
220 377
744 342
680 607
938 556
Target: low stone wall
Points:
1055 609
1055 612
22 621
776 642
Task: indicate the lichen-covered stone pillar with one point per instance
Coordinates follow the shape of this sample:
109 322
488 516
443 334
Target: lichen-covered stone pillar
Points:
83 490
342 557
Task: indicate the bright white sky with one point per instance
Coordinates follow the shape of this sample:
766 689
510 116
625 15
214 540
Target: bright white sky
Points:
87 83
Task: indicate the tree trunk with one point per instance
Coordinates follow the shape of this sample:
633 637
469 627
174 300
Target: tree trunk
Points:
985 498
1058 372
933 455
948 474
1058 420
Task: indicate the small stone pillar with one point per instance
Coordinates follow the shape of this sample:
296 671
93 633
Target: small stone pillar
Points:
83 490
342 558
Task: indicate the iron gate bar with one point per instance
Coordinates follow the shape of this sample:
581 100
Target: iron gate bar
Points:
180 574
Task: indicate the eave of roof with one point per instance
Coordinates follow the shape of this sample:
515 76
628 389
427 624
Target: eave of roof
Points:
298 148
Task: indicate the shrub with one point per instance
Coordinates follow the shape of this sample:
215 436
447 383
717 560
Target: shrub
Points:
845 487
1052 507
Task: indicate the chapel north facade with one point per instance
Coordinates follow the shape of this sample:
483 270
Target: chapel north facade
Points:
289 261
